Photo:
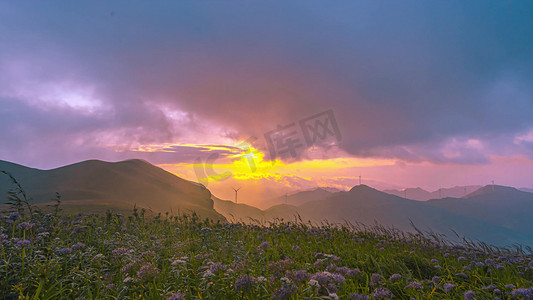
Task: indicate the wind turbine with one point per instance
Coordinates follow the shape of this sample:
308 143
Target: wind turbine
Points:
359 179
236 190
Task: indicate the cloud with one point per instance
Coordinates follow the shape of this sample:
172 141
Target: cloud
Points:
405 80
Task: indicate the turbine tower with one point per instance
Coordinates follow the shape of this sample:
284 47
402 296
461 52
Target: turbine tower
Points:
236 190
359 179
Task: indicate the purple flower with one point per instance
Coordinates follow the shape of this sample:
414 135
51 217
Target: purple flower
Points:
510 286
22 244
78 246
347 272
300 276
469 295
127 267
376 280
285 291
121 251
338 278
264 245
354 296
382 294
395 277
64 251
524 293
13 216
176 296
217 267
461 275
244 283
147 271
25 225
322 278
448 287
414 285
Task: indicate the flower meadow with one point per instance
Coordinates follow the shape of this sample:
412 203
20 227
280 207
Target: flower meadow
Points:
114 256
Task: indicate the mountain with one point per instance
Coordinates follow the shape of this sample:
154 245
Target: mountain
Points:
238 212
366 205
528 190
95 184
411 193
423 195
299 198
500 205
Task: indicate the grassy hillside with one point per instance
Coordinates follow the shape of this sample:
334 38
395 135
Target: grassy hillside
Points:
121 185
135 257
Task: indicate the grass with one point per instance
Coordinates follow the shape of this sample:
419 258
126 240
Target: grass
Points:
51 253
112 256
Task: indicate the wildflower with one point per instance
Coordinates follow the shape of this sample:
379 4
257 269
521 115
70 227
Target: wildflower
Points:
376 280
214 268
208 273
147 271
261 279
510 286
285 291
128 280
345 271
435 279
244 283
382 294
434 261
3 237
461 258
448 287
179 262
25 226
300 276
395 277
295 248
98 256
64 251
414 285
263 245
13 216
22 244
489 287
78 246
127 267
176 296
313 282
121 251
461 275
469 295
354 296
333 296
338 278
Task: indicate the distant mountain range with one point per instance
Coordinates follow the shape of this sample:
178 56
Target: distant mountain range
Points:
494 214
98 185
423 195
363 204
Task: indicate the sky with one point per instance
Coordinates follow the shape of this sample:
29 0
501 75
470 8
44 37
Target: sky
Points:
411 93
